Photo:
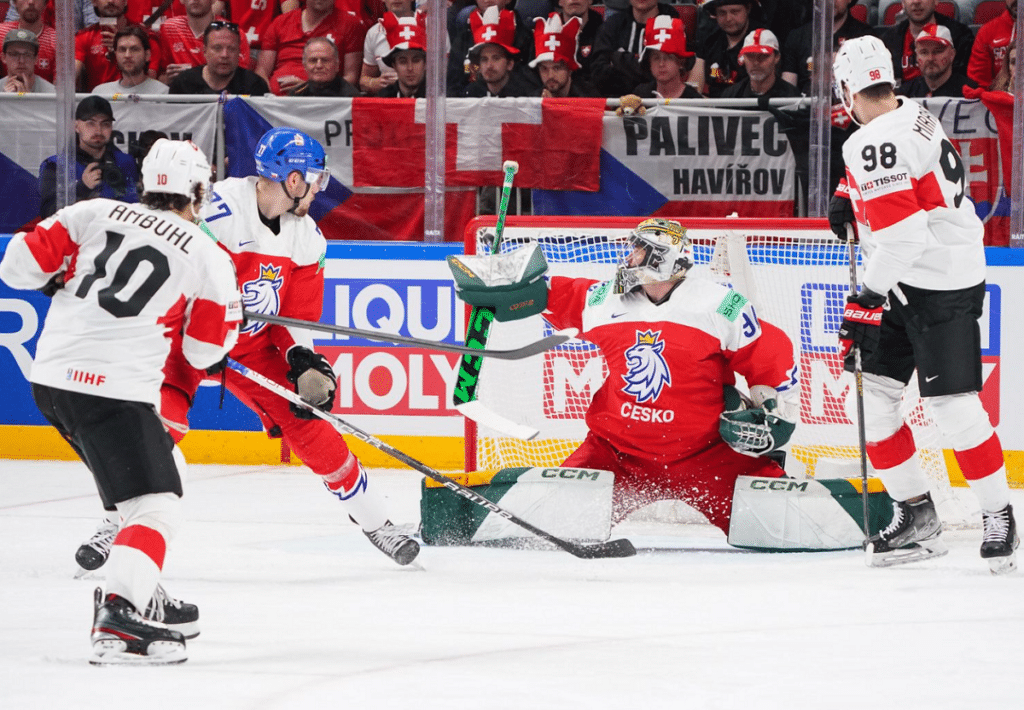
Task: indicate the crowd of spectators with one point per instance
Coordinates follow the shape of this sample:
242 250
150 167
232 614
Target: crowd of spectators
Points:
552 48
492 46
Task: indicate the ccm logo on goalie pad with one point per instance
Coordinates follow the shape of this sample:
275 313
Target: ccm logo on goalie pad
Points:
777 484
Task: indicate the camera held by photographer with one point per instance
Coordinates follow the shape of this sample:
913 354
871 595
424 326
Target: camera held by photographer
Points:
100 168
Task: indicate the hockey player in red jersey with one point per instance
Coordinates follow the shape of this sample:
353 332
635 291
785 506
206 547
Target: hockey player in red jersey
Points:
671 345
922 295
123 278
279 253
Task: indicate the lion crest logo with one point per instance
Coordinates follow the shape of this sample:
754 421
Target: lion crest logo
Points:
261 295
647 370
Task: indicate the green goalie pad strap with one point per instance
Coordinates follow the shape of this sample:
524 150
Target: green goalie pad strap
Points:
790 515
512 284
571 503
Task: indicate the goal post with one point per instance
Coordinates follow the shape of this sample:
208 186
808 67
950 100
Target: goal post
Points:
794 271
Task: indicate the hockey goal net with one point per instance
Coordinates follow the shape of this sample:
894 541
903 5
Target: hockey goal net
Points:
793 270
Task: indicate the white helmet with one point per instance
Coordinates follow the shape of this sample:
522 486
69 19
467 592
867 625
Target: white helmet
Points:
861 62
666 255
175 167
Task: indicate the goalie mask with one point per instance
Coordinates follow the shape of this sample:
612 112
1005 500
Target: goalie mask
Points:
657 250
860 62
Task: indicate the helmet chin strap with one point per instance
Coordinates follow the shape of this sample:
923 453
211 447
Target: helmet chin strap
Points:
295 200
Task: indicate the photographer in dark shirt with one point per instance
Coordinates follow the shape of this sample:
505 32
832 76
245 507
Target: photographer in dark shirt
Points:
102 170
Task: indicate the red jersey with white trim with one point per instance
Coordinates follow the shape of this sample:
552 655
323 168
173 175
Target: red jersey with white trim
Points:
668 363
286 37
907 185
179 45
140 10
278 274
100 66
134 278
46 60
993 41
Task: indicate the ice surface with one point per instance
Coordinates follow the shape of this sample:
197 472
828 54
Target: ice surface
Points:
299 611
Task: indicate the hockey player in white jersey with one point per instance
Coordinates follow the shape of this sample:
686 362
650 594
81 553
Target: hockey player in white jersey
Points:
922 295
279 252
123 278
673 346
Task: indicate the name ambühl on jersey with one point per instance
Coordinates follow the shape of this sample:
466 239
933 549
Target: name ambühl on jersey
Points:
168 231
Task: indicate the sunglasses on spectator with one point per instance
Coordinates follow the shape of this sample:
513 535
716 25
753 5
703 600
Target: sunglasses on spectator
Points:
223 25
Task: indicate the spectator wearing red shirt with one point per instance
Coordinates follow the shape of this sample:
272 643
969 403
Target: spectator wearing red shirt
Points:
994 39
94 56
254 18
280 60
30 17
141 10
181 40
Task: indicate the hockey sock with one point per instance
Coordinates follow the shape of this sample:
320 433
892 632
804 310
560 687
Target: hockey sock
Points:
893 459
346 477
136 558
363 503
985 472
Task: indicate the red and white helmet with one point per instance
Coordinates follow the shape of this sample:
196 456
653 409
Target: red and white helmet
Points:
861 62
175 167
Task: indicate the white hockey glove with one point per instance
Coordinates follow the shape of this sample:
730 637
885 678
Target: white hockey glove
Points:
512 283
755 431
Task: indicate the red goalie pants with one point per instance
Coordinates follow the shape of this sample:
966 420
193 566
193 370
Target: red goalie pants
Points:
704 480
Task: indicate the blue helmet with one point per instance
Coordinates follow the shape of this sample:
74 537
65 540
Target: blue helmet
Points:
282 151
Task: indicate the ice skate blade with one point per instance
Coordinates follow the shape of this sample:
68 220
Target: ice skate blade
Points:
113 652
190 629
915 552
1003 565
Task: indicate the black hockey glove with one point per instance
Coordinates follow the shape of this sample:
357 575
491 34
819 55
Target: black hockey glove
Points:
862 321
55 284
840 213
314 380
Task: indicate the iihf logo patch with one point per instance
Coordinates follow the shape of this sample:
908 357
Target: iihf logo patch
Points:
261 296
648 372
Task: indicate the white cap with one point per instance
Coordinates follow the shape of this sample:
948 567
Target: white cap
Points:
933 32
760 41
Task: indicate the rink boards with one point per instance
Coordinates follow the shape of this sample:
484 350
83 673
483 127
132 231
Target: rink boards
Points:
403 394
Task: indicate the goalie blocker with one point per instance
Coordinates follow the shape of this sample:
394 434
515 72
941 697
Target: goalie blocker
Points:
768 514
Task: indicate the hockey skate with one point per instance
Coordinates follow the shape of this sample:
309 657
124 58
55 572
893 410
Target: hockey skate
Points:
176 614
1000 541
92 553
121 636
913 535
394 543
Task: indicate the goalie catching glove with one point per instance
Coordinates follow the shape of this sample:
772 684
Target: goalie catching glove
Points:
314 380
512 283
750 430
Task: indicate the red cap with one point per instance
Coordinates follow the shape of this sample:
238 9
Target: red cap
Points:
935 33
493 28
760 41
665 33
555 42
403 33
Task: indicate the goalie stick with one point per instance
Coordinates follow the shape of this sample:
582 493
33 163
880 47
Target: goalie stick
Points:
534 348
858 378
613 548
464 396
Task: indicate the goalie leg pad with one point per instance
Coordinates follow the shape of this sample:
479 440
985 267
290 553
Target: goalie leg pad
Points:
788 515
571 503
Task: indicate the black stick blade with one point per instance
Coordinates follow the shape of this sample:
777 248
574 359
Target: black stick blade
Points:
613 548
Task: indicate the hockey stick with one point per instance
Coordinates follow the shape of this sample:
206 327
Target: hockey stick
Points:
858 378
526 351
612 548
464 395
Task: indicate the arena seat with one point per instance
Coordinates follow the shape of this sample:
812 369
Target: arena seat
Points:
859 12
688 13
987 10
